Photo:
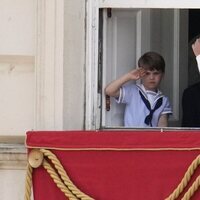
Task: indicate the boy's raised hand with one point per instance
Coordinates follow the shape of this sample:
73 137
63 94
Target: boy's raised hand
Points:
137 73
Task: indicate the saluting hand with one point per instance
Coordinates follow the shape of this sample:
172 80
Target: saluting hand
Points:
137 73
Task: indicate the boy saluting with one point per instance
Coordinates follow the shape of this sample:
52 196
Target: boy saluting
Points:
146 106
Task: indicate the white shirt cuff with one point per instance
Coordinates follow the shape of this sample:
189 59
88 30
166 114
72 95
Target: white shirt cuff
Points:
198 62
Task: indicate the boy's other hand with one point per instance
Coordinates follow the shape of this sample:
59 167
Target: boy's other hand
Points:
196 47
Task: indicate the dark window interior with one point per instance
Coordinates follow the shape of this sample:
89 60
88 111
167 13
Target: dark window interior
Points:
194 23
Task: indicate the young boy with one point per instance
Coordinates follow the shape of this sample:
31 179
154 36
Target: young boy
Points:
146 106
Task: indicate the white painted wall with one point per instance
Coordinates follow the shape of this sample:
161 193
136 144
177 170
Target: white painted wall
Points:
17 50
12 184
17 35
74 64
17 79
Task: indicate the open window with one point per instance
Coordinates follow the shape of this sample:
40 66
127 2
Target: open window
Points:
125 32
129 33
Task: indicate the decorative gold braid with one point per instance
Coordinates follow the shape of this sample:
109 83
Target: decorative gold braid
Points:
64 183
58 181
192 189
185 179
28 183
79 194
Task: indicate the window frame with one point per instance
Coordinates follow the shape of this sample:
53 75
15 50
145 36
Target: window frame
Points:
93 98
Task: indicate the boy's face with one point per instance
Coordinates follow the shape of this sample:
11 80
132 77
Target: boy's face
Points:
151 80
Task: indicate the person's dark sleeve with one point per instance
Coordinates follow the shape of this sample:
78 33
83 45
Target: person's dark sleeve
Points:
188 107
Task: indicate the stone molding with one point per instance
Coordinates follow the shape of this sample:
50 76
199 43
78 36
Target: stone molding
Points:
12 155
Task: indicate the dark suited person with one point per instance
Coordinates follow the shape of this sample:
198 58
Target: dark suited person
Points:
191 96
191 106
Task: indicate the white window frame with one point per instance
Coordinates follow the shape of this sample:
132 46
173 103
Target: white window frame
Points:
92 120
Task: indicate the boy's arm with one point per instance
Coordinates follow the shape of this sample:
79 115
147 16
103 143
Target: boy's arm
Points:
163 120
113 88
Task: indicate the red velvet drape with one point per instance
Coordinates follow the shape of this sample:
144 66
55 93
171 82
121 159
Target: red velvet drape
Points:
117 165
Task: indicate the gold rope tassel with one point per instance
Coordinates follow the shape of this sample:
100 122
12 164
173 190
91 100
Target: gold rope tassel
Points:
185 181
58 174
28 183
64 175
58 181
192 189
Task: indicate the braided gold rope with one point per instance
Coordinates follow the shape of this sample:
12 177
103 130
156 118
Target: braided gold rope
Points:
73 193
79 194
192 189
58 175
28 183
58 181
185 179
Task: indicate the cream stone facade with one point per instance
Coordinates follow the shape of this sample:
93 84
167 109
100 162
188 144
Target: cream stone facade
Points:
42 65
49 73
